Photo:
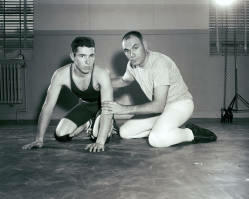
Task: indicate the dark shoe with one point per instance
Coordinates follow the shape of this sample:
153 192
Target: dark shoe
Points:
201 135
64 138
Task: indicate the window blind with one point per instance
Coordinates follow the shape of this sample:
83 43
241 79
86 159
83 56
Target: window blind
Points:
16 24
228 28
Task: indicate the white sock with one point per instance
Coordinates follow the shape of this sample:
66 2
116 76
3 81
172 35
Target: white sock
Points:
190 134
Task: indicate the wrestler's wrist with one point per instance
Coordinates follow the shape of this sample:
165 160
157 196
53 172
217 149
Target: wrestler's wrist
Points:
102 142
39 140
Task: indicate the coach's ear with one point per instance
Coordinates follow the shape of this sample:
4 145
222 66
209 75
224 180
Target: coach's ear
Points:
145 45
72 56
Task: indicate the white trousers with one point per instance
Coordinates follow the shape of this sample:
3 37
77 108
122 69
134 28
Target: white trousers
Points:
163 130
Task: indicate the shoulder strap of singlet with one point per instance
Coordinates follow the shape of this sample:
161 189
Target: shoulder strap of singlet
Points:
70 74
91 80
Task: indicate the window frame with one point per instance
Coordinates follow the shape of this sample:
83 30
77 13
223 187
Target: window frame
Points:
17 26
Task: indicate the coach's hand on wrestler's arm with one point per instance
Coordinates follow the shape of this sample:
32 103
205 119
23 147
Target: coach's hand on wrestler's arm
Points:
112 107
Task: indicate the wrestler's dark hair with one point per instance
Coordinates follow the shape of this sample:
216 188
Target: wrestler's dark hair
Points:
133 33
81 42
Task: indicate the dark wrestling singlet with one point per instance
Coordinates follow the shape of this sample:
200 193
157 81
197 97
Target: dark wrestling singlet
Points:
88 95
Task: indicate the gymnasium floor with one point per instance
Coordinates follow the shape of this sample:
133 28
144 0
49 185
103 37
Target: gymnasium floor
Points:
128 169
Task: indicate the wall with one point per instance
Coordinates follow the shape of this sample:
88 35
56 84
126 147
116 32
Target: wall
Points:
178 29
120 16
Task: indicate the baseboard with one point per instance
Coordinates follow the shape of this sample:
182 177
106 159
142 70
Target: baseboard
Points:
119 120
25 122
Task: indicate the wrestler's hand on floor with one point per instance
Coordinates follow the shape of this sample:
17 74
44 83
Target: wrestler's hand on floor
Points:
95 147
33 145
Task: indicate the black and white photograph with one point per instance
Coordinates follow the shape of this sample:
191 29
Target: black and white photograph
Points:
124 99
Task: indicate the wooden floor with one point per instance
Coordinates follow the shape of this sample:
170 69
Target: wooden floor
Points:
129 169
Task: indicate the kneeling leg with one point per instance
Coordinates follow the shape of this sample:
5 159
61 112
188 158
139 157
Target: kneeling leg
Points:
64 129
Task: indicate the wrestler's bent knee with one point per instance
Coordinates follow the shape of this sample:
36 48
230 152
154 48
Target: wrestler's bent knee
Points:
64 138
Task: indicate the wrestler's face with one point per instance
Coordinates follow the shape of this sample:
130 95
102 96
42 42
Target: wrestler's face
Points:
84 59
134 50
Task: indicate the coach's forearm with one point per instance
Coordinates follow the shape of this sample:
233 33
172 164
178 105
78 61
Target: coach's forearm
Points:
118 82
147 108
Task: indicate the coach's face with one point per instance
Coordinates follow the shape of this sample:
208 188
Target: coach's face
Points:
134 50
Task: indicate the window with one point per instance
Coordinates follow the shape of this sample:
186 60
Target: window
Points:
228 28
16 27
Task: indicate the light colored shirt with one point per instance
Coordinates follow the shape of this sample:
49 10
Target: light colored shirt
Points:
159 70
